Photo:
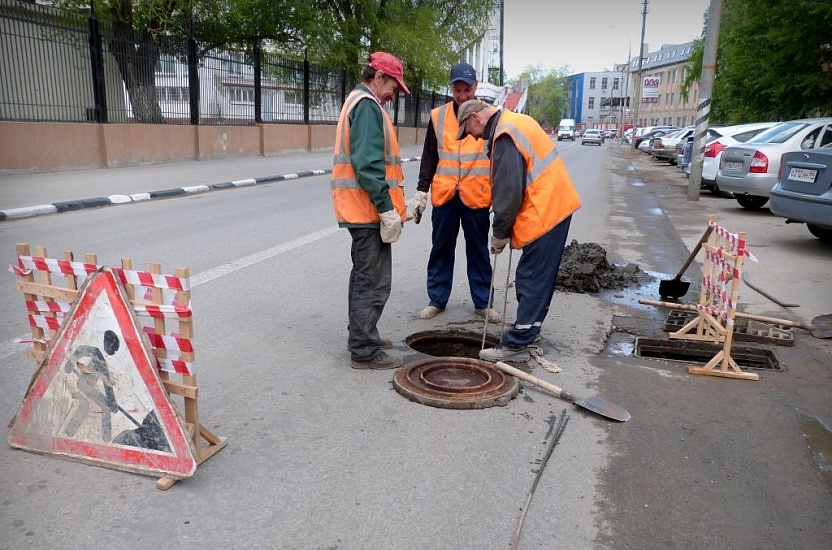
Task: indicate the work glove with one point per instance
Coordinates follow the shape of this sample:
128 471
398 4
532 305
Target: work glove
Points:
497 244
391 226
417 205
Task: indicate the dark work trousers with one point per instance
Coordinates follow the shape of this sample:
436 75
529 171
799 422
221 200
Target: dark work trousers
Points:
370 281
534 282
475 222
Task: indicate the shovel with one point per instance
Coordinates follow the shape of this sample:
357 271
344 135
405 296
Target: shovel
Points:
594 404
676 287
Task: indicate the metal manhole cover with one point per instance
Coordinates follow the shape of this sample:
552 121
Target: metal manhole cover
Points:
455 383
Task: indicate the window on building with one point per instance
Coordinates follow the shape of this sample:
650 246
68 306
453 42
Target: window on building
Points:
615 83
592 83
241 95
672 97
591 104
165 65
235 63
604 83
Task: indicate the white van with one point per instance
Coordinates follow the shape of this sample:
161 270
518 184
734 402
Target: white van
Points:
566 129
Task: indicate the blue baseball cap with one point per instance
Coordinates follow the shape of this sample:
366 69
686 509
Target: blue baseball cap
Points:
463 72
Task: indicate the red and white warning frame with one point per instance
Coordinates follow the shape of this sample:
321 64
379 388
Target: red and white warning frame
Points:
162 303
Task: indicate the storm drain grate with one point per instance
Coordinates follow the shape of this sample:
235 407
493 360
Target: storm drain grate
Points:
702 352
745 330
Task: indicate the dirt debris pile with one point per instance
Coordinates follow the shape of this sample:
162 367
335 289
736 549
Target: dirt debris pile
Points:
584 268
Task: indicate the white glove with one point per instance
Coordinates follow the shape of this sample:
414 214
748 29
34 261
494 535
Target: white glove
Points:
497 245
391 226
418 204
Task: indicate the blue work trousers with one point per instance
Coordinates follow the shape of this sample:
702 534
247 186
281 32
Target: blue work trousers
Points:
370 282
446 220
534 283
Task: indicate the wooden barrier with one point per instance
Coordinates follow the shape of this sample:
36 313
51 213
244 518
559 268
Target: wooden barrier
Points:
161 302
725 253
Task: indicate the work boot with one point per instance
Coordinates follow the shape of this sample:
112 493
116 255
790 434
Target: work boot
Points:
493 316
505 353
382 361
430 312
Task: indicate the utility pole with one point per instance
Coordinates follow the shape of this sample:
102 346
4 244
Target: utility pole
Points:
637 88
703 104
502 32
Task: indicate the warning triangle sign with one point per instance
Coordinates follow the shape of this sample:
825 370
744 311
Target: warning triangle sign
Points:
97 397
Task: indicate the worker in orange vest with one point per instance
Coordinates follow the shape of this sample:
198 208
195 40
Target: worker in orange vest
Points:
368 197
456 174
533 200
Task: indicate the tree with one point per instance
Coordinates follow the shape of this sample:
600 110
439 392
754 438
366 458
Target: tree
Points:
546 101
769 71
428 35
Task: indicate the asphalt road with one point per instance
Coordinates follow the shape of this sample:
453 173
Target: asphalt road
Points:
322 456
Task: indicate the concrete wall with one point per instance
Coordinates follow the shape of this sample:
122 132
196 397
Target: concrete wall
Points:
48 147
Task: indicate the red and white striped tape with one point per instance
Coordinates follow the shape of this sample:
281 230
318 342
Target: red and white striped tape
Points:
169 341
25 265
142 310
738 246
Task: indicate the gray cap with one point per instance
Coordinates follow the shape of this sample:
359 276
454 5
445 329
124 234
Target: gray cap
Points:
466 110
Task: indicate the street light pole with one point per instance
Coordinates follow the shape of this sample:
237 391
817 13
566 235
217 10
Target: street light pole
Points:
626 82
637 87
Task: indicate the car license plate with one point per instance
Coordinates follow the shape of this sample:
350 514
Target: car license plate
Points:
803 174
733 165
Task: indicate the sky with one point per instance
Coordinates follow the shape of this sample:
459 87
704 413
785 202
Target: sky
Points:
578 34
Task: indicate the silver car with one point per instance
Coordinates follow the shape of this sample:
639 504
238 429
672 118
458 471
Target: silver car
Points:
804 192
592 135
750 171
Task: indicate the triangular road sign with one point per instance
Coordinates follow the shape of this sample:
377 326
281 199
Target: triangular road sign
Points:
97 397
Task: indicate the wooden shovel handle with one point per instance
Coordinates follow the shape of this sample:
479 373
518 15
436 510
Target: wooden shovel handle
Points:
560 392
750 316
694 252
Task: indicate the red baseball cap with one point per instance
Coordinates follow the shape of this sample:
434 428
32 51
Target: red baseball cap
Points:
390 65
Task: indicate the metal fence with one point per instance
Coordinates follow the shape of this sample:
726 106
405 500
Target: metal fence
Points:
59 66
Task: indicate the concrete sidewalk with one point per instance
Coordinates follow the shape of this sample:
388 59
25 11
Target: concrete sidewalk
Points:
27 195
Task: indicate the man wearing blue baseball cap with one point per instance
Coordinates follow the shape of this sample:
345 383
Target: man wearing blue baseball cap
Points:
456 173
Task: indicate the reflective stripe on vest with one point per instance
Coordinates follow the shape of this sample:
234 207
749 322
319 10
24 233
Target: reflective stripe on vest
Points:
550 196
463 165
351 202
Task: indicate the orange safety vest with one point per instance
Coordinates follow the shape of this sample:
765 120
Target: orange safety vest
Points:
463 165
550 196
351 202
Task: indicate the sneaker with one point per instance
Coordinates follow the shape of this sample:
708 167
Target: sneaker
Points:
382 361
504 353
490 314
430 312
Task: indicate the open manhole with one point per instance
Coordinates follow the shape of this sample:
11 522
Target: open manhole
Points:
702 352
453 377
449 343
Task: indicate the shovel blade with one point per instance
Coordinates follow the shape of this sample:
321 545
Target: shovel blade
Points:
673 288
603 407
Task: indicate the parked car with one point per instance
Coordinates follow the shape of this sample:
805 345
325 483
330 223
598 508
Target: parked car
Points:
804 190
716 141
650 133
731 136
592 135
750 171
664 147
645 142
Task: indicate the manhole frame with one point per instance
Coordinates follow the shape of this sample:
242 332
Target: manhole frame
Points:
702 352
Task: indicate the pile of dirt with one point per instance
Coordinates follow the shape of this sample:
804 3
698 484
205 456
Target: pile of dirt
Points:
584 268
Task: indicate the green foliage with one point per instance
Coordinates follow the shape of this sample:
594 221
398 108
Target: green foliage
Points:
769 60
547 96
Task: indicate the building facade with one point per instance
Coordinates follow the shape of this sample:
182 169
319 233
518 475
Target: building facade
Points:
607 99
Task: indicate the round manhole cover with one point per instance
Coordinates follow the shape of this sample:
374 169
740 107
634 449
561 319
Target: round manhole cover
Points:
455 383
438 343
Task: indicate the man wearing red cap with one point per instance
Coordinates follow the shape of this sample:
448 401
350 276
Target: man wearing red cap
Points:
368 197
456 172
